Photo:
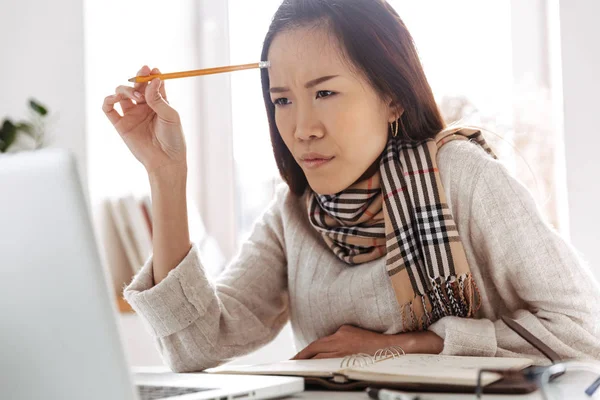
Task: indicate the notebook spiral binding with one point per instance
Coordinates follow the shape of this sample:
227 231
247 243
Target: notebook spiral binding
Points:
363 359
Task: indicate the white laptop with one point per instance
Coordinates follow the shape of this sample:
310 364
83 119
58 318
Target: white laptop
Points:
58 330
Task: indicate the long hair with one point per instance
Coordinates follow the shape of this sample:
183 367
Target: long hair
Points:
376 42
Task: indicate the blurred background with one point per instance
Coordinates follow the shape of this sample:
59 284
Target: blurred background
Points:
523 69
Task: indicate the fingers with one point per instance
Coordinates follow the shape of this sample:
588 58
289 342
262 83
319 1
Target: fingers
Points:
316 347
123 95
327 355
126 104
157 102
127 94
162 89
108 107
141 86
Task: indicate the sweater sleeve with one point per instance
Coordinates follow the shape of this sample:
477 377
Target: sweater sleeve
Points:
557 297
199 324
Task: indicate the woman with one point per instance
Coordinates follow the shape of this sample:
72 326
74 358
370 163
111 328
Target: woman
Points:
390 230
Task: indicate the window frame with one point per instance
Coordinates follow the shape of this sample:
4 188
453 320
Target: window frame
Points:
215 186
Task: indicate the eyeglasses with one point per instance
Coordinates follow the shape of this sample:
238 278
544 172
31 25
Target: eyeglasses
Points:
563 380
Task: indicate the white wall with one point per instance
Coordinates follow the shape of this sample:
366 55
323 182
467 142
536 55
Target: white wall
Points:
536 67
580 33
215 144
43 57
122 36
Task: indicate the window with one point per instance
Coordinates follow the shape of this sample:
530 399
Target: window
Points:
479 58
488 65
256 174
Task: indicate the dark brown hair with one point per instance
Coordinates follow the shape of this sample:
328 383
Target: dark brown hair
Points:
378 45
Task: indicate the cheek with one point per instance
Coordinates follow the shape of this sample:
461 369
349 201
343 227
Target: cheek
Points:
360 154
357 134
284 127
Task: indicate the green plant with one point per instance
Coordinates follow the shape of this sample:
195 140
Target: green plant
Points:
33 128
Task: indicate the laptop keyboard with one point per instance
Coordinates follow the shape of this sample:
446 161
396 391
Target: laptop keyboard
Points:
163 392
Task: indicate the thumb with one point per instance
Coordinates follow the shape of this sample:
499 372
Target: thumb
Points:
156 101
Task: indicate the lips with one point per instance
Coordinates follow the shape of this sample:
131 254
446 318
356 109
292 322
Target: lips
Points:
314 160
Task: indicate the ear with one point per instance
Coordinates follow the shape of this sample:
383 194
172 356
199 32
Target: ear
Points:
395 111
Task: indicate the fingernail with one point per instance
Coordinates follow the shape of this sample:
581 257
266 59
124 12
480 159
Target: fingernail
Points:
137 95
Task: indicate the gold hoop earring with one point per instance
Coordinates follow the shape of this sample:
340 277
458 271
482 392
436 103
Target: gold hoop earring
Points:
394 130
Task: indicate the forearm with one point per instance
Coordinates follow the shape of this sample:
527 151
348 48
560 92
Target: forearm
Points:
425 342
485 338
237 313
171 237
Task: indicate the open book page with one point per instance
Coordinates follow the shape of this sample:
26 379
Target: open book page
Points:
438 369
322 368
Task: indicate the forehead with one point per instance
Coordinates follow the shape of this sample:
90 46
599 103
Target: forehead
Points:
305 53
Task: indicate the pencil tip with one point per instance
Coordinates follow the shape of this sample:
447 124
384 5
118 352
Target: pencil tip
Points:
131 79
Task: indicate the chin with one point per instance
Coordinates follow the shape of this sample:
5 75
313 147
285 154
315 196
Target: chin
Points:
326 186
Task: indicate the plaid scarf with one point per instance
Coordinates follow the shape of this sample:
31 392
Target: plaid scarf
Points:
401 212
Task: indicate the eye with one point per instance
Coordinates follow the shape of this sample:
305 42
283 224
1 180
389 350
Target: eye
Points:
282 101
325 93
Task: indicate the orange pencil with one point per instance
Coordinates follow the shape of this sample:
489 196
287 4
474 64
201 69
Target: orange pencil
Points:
197 72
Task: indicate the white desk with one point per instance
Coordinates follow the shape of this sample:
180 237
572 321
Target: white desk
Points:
309 395
362 395
566 389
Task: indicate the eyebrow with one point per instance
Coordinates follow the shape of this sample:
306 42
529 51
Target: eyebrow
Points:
307 85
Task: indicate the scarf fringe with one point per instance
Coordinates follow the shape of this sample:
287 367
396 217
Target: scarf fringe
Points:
457 296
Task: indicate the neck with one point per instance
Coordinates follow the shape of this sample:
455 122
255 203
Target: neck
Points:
372 170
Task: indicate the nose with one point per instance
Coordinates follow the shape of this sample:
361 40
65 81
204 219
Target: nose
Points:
308 125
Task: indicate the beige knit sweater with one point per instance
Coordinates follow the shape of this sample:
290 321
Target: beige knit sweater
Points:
286 272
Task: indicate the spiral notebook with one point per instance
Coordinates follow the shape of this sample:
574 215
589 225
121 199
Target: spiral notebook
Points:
390 368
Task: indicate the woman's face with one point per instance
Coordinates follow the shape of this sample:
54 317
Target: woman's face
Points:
330 118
